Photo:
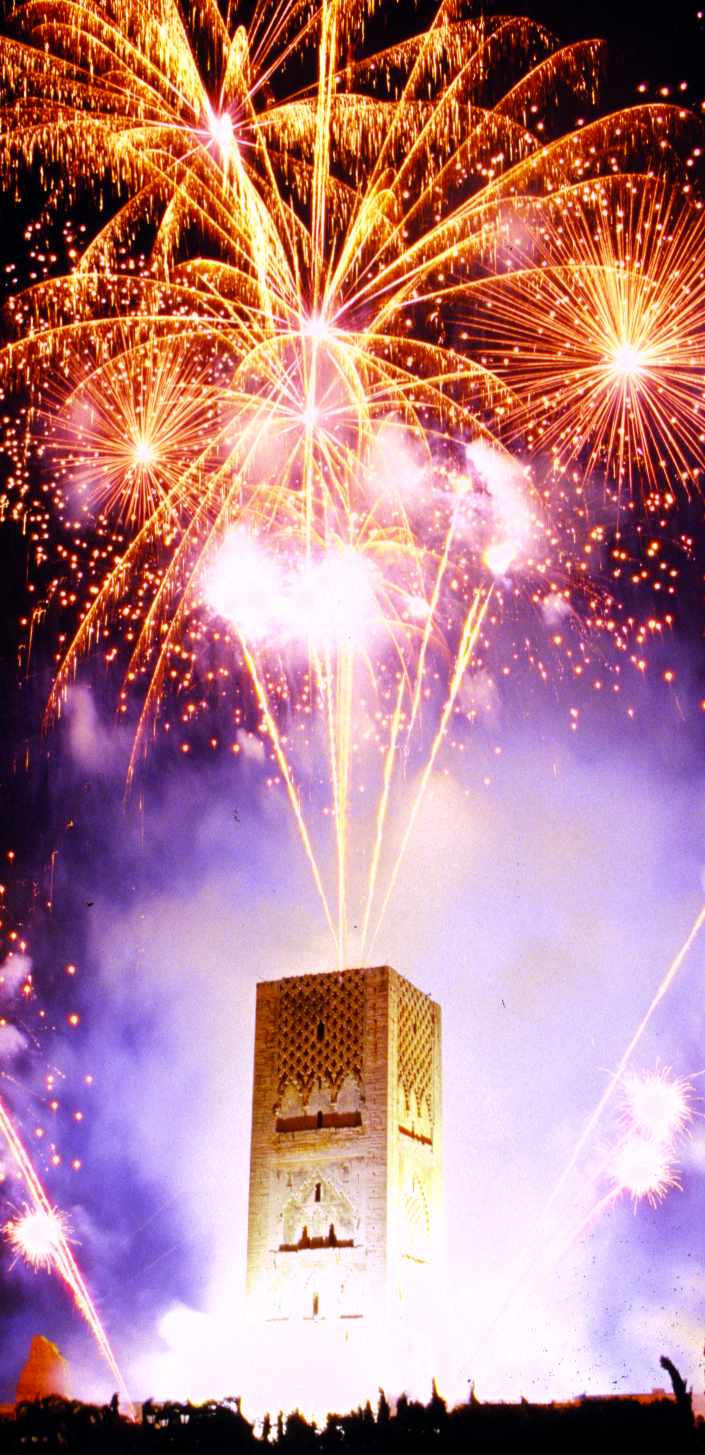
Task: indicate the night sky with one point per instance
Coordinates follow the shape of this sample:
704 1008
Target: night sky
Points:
556 868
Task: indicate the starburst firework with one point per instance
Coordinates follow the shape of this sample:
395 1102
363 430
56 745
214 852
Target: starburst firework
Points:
37 1236
347 221
599 329
311 242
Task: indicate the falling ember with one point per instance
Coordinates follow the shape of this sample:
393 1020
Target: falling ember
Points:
37 1236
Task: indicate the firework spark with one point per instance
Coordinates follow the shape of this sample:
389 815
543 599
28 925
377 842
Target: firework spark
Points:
643 1169
598 327
37 1236
658 1106
44 1228
320 326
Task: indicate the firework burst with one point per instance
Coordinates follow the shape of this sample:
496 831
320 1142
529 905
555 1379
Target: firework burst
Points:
38 1236
265 370
348 220
657 1106
599 328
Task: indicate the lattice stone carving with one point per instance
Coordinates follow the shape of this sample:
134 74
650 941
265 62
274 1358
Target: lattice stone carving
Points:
417 1220
320 1032
415 1045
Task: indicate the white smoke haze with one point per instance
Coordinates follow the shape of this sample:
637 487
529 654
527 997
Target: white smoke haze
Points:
94 747
14 971
12 1042
251 746
479 694
398 472
512 524
555 609
543 935
314 605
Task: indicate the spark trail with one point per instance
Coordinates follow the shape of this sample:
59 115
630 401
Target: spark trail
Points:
311 253
642 1161
61 1257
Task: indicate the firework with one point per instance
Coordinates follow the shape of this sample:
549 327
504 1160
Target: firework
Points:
264 374
38 1236
643 1168
599 325
326 326
235 406
124 439
657 1106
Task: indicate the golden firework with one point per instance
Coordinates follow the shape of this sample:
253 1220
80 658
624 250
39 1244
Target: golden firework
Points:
319 219
598 326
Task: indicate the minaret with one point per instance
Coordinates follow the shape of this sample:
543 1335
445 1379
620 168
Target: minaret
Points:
345 1175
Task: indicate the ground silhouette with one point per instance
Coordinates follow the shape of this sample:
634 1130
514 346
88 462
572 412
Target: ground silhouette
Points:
598 1426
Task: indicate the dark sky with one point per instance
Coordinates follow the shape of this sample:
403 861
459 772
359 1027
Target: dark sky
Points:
661 45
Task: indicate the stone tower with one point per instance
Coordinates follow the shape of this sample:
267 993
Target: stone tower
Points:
345 1173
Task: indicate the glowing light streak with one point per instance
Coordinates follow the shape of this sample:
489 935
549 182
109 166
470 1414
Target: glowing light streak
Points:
471 629
382 809
62 1257
286 773
643 1169
617 1076
679 1111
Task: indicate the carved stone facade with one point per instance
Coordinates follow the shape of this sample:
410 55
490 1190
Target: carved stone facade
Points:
345 1178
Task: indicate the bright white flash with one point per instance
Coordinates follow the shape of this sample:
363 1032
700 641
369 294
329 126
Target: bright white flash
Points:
320 603
144 453
499 558
36 1236
418 607
627 361
643 1168
315 327
221 130
310 417
658 1106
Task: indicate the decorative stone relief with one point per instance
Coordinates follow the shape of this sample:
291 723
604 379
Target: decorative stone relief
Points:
415 1023
320 1034
318 1215
416 1220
